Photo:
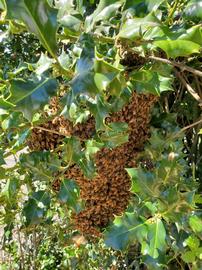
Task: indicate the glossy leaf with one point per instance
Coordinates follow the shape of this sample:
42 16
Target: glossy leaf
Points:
43 64
152 82
141 7
39 18
115 135
175 48
40 165
193 9
69 193
104 10
196 223
71 22
134 28
156 238
144 182
92 147
31 95
84 83
125 230
100 110
193 34
36 207
10 189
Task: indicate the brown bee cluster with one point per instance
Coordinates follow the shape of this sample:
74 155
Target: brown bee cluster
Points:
52 132
108 193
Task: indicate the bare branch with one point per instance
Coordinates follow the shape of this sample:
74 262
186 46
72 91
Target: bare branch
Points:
189 88
49 130
187 127
176 64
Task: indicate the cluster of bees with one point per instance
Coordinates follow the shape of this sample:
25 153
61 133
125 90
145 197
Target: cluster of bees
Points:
108 193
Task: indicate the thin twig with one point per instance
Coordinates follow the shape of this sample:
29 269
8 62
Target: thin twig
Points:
187 127
21 248
49 130
189 88
176 64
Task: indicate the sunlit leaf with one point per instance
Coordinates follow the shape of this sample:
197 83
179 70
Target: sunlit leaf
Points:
134 28
193 34
104 10
115 135
156 238
39 18
175 48
196 223
31 95
193 9
188 257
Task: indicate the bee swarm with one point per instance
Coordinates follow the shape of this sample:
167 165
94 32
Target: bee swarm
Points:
108 194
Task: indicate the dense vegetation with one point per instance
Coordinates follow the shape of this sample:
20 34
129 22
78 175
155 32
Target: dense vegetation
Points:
100 120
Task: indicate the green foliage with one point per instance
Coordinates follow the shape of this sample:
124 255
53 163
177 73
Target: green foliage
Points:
39 18
92 55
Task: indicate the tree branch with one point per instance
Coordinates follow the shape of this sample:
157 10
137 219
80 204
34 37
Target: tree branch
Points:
187 127
189 88
49 130
176 64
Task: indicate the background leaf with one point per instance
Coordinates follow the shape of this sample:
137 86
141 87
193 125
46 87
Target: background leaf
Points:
39 18
36 207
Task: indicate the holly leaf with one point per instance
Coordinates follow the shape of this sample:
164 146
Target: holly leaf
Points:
193 9
195 223
193 34
44 63
40 165
69 193
189 257
175 48
192 242
151 82
105 10
71 22
155 238
144 182
36 207
115 135
100 110
92 147
84 84
125 230
10 189
40 19
134 28
31 95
